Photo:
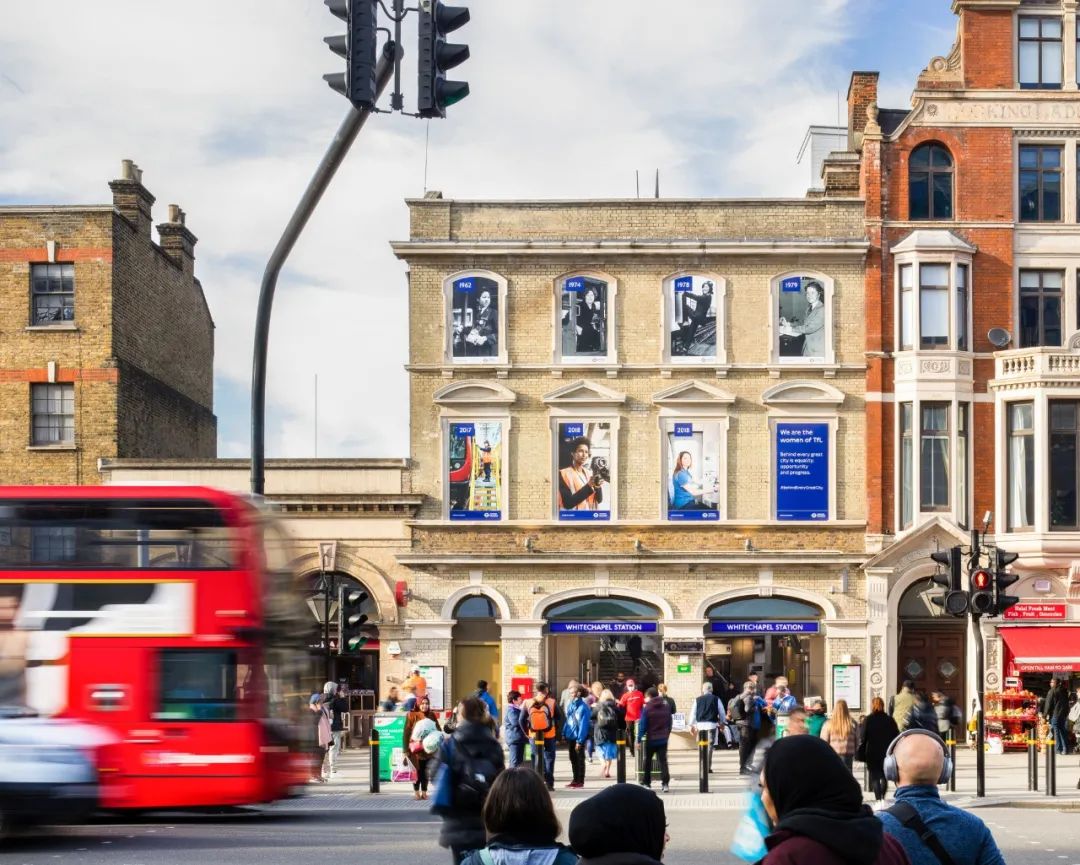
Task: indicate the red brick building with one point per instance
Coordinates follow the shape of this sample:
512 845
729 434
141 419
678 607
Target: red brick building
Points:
973 336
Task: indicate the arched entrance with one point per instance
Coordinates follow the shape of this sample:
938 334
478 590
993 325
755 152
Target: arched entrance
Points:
932 647
768 636
477 653
358 668
596 639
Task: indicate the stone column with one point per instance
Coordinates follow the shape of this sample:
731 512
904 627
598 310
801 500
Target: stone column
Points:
428 645
521 640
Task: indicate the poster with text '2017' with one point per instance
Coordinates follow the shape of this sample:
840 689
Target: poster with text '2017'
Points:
802 471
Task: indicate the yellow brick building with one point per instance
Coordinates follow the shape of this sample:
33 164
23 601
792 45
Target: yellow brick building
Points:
106 341
711 354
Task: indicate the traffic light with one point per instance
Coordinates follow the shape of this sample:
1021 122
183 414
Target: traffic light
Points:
353 622
955 599
436 55
1002 580
358 47
982 592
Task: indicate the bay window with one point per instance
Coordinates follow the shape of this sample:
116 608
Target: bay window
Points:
907 503
1063 466
961 307
906 308
934 306
932 461
1021 469
933 292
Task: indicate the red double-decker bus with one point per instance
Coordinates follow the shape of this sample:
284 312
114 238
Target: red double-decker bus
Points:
159 615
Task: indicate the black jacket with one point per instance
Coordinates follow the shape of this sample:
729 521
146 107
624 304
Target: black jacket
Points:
1056 707
462 828
877 733
706 708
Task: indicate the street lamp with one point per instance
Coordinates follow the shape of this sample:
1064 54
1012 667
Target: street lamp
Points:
327 585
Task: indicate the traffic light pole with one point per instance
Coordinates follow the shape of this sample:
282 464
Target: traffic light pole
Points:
328 661
980 716
335 155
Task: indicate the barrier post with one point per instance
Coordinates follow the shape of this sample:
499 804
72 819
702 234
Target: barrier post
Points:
373 752
1051 766
538 753
703 761
620 764
1034 761
951 742
639 761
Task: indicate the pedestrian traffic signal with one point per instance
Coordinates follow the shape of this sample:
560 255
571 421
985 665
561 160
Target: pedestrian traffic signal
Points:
358 47
436 55
1002 580
955 599
982 592
353 631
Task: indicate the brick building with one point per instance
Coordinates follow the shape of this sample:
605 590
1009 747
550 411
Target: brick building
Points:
709 353
973 349
106 341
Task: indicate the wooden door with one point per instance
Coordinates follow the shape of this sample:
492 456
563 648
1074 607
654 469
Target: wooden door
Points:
933 658
473 662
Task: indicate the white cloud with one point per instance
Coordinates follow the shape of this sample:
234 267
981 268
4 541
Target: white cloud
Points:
223 105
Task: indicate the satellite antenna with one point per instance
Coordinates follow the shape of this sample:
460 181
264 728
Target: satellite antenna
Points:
999 337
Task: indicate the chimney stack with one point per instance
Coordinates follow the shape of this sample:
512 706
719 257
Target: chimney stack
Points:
131 199
862 92
177 242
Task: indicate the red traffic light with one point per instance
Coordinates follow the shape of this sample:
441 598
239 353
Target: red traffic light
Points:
980 580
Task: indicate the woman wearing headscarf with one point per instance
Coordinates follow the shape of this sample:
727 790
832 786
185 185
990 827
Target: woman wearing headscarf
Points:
413 743
817 812
877 733
621 825
520 822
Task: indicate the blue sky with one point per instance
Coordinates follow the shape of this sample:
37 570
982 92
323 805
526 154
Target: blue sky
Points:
223 106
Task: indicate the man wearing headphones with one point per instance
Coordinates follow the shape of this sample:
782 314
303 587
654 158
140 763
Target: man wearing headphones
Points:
931 831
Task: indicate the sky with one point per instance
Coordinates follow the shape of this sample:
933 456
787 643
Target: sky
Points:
223 106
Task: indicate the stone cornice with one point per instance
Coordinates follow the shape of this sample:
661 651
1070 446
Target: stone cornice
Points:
837 248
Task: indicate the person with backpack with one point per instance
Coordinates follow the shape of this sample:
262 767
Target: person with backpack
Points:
900 704
921 715
469 761
521 825
541 716
746 711
606 730
576 731
513 735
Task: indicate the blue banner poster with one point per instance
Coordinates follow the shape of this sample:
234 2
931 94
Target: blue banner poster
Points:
802 471
584 471
475 479
693 472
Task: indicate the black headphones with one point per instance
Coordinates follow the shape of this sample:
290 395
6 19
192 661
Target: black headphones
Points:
892 773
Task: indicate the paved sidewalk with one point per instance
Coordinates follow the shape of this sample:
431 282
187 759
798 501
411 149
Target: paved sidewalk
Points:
1006 784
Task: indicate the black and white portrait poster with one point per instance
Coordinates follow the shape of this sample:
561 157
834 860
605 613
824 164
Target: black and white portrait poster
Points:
692 304
584 311
475 317
801 320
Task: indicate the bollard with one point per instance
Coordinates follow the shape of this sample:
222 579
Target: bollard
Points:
1051 766
951 742
1033 764
639 761
703 761
373 751
538 753
620 765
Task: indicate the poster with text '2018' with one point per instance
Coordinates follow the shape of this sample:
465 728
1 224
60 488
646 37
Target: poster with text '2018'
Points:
802 471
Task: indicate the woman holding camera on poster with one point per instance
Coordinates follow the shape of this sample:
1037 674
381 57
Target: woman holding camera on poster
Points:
580 488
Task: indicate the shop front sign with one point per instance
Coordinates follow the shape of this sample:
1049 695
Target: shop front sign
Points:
1038 611
765 627
603 627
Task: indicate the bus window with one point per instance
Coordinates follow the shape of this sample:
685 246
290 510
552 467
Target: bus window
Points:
197 685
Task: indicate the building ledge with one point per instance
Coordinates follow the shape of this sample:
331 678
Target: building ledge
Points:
54 448
630 524
570 558
63 327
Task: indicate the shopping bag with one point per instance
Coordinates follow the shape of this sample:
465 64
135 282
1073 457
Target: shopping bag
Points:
401 769
749 841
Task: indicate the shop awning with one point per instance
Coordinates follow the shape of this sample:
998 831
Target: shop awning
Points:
1043 650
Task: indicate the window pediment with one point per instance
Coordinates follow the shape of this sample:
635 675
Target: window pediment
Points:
693 394
584 393
802 393
474 393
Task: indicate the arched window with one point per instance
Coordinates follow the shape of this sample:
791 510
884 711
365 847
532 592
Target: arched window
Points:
602 608
477 607
930 183
766 609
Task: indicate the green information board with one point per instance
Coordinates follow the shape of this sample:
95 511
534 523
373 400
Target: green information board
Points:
391 727
683 668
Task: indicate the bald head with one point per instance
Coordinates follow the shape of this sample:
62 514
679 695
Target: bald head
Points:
919 759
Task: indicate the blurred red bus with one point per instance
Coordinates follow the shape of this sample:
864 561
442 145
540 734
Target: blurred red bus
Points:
167 617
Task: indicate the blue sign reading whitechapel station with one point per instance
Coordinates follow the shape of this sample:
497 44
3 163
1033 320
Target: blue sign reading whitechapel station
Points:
603 627
765 627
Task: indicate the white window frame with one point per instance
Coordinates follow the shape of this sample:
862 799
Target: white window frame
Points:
1070 286
808 402
609 359
773 320
1043 12
719 304
63 388
500 358
917 259
467 402
919 516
